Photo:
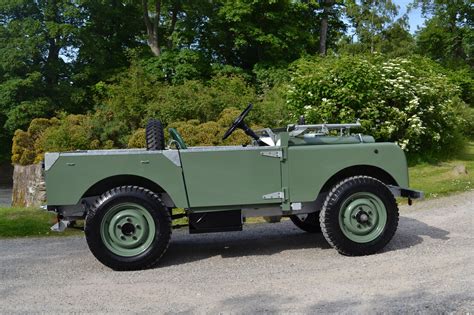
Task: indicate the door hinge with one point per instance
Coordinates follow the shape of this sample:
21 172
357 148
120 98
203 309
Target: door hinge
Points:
275 195
275 154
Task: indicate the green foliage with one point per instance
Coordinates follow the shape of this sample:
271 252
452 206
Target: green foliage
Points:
99 58
111 30
34 79
245 33
137 139
464 78
66 133
210 133
135 96
408 101
370 20
448 34
176 67
396 41
196 100
74 132
23 148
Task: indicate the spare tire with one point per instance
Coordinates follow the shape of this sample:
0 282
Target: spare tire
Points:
155 136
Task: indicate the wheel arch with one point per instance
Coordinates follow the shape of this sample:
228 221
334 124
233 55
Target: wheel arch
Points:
359 170
123 180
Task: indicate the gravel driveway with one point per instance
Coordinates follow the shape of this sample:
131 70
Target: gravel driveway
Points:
427 268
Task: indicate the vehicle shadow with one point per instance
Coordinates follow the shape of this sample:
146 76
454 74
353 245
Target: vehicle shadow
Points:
254 240
270 239
410 233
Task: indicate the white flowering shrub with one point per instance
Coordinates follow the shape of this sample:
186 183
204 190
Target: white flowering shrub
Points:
407 101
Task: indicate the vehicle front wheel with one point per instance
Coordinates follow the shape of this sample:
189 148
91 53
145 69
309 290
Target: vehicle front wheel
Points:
359 216
128 228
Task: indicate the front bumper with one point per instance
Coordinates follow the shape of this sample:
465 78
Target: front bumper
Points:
406 193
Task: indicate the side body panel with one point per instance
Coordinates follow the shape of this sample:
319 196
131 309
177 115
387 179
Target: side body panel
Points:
72 174
311 166
231 176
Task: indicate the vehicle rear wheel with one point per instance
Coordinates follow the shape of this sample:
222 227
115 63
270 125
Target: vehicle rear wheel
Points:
155 136
307 222
128 228
359 216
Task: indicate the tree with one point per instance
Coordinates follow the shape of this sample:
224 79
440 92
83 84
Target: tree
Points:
36 40
245 33
396 40
111 29
160 19
448 36
369 19
330 16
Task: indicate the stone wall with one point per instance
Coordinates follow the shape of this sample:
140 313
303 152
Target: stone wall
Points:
29 189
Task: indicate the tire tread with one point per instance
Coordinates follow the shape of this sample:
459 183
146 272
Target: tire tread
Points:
329 229
147 194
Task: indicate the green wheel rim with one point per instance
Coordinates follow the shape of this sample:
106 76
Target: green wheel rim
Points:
363 217
127 229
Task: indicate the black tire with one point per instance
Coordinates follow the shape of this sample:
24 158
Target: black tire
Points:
155 136
308 223
157 213
337 199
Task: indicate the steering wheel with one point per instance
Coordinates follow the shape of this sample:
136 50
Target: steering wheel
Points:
238 122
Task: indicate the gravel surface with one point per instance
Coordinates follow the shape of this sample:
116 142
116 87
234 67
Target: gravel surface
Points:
427 268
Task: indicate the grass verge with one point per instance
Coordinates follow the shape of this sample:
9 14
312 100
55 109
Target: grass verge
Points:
445 178
24 222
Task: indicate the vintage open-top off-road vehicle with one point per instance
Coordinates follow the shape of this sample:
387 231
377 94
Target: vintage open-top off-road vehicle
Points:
342 185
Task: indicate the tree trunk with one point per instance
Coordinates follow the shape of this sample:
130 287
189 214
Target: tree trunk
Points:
457 49
51 71
51 64
174 19
152 27
154 45
323 35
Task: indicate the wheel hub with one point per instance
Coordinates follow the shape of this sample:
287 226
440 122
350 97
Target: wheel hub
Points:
362 217
128 229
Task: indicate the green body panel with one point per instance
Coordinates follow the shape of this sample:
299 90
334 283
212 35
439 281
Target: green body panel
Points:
311 166
74 173
230 176
223 177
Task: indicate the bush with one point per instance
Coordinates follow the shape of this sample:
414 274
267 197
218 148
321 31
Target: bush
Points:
403 100
66 133
195 133
130 100
138 139
201 111
176 67
197 100
23 148
76 132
